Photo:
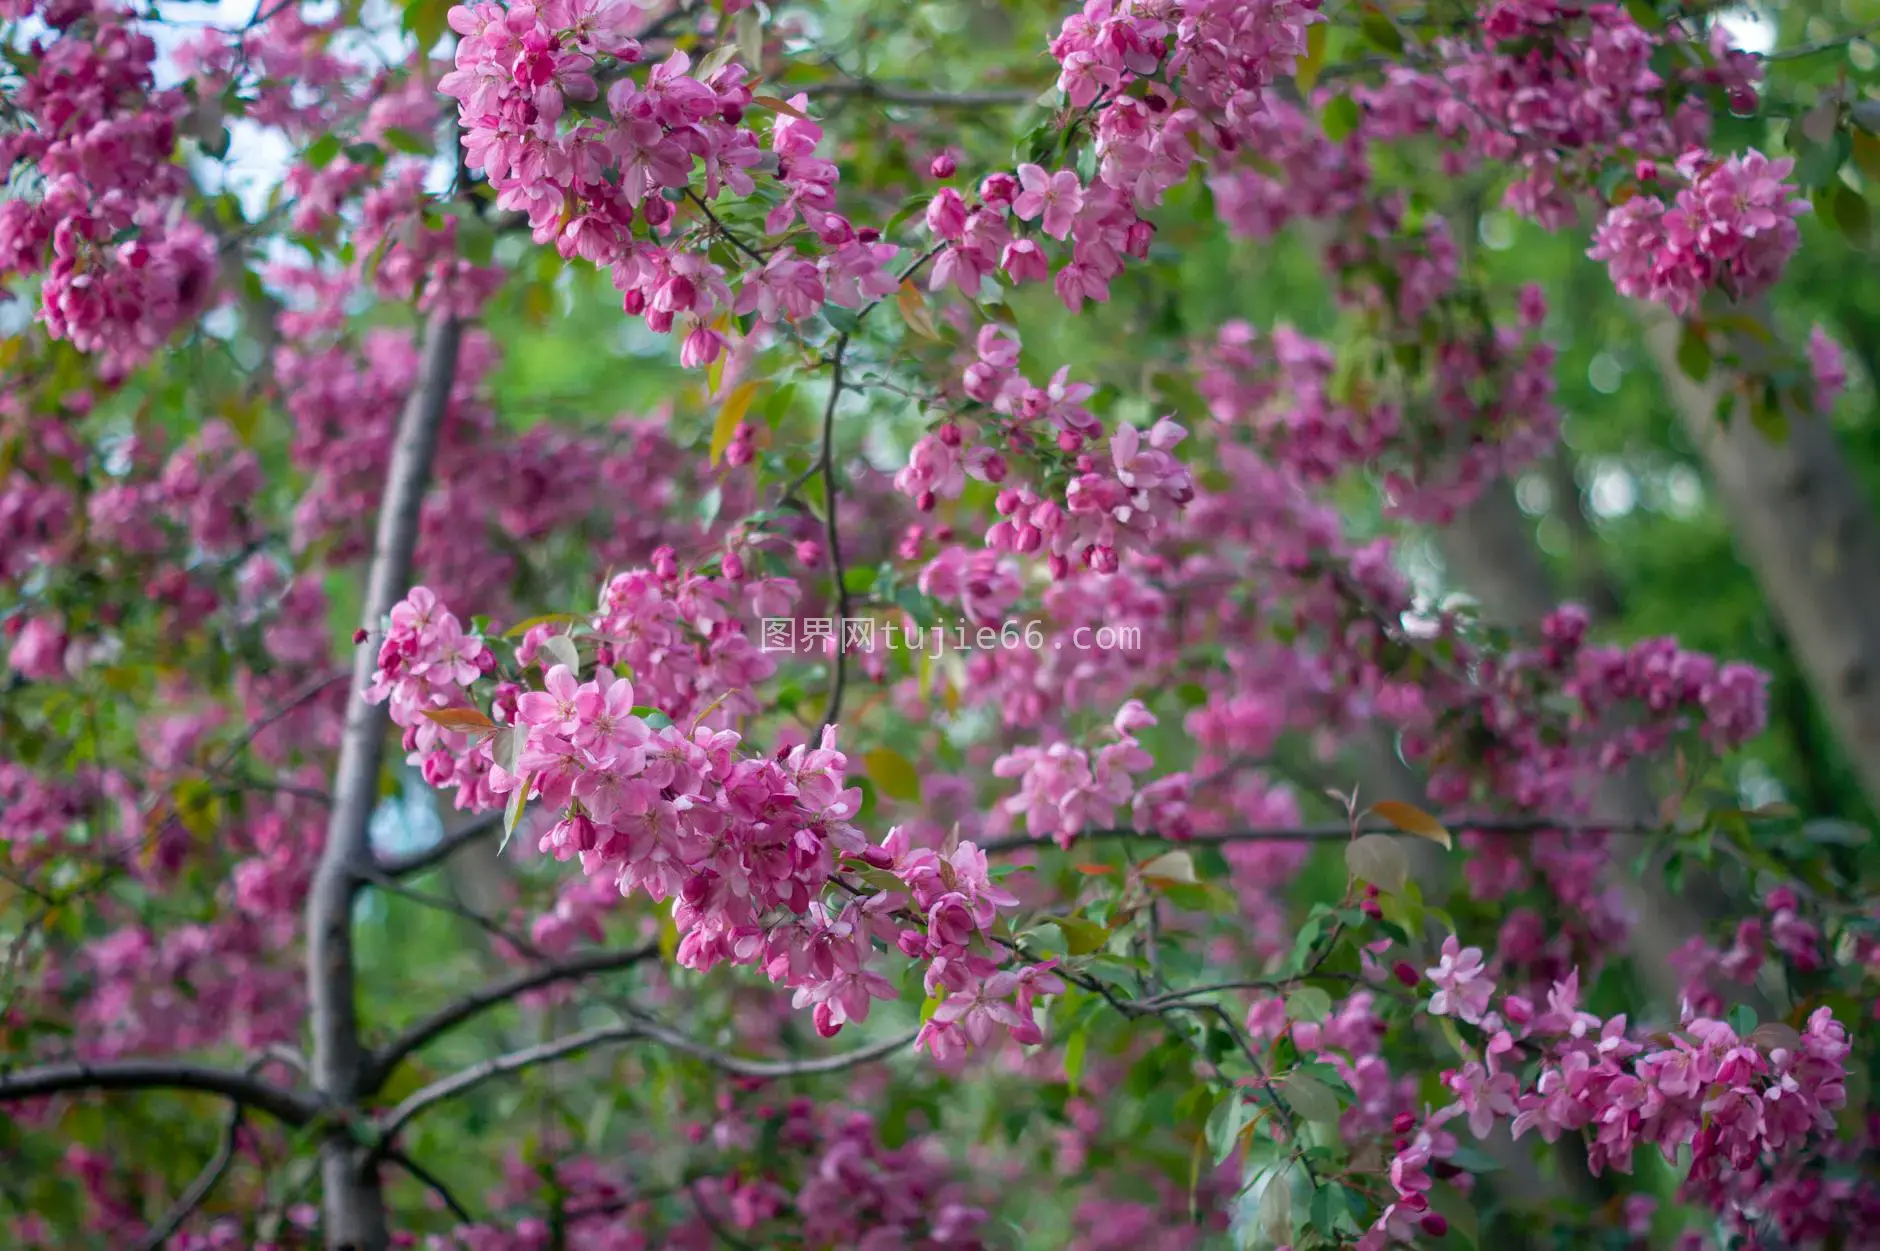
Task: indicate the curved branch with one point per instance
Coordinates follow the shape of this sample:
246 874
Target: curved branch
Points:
54 1079
428 1178
444 848
888 93
1336 831
738 1067
495 994
832 711
528 1057
514 1062
198 1190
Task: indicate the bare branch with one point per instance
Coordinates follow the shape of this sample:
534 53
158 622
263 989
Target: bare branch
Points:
79 1077
479 827
528 1057
1339 831
514 1062
888 93
831 528
737 1066
198 1190
482 921
497 993
432 1180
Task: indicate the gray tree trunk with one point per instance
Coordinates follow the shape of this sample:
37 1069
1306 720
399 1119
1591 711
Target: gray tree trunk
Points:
353 1203
1805 526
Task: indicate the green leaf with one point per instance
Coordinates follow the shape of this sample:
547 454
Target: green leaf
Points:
1224 1125
844 320
730 413
1309 1098
404 141
321 151
512 813
554 618
1171 868
1081 934
506 747
1851 214
1743 1020
1074 1058
1694 353
894 775
1378 859
1306 72
1341 118
558 649
1276 1209
1308 1003
1330 1203
1380 30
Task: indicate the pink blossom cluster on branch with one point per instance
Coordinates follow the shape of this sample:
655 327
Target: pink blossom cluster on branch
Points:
1734 1103
747 848
587 178
97 208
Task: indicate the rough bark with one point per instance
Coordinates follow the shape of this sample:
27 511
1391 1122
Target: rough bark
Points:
1805 526
353 1203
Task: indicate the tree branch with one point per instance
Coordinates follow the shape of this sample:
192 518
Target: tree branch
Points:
432 1180
528 1057
198 1190
887 93
494 995
832 530
513 1062
1337 831
354 1208
737 1066
416 862
278 1102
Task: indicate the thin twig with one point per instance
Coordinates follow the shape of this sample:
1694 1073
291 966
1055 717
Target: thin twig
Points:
498 1066
738 1066
1338 831
416 862
487 924
723 229
886 93
497 993
198 1190
831 528
431 1179
1825 45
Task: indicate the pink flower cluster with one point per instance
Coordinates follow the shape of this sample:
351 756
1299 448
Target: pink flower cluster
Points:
1625 703
1731 1102
426 661
1065 789
1555 91
745 847
1795 939
102 218
518 71
1730 227
1205 65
